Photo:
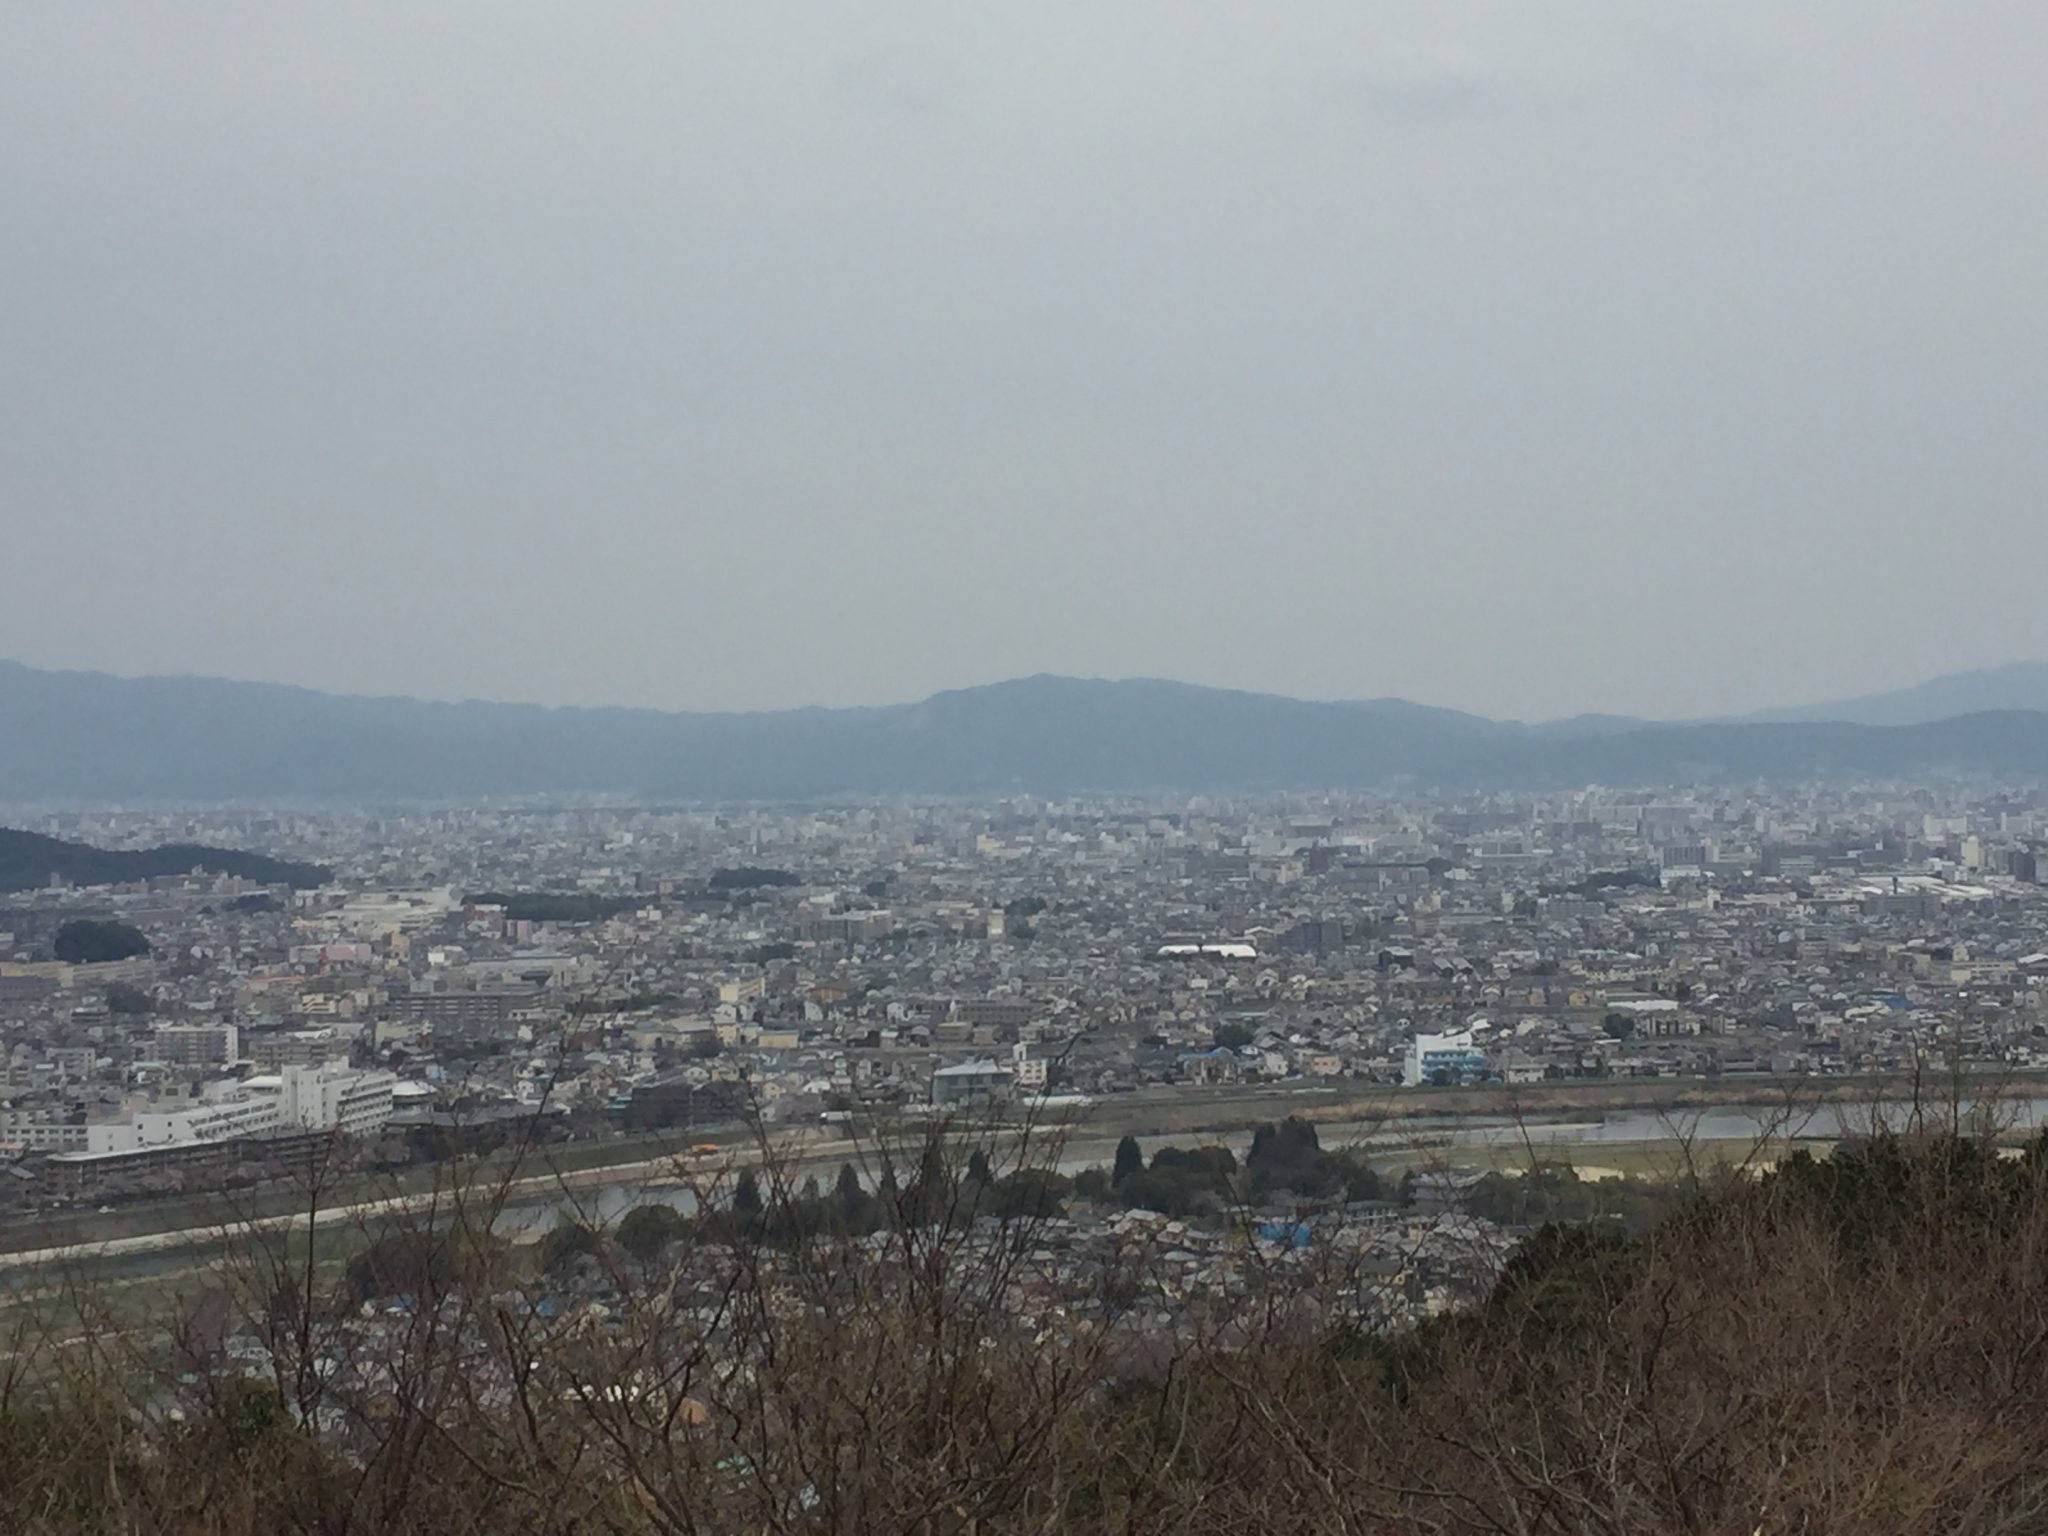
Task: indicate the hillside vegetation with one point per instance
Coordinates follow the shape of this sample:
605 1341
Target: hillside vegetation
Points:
28 860
1851 1345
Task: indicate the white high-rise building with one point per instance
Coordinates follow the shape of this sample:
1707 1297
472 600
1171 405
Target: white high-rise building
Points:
336 1099
1454 1054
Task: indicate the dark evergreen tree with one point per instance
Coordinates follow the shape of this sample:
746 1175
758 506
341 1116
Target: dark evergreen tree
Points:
851 1199
1130 1159
746 1194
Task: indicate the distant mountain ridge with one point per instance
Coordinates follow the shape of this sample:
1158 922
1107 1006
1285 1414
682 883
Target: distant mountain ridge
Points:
91 737
29 859
2019 685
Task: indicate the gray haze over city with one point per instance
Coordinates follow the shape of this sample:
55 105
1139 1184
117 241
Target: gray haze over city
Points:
1671 359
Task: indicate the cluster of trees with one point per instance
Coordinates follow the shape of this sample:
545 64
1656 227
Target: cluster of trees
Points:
92 941
1287 1157
1026 1194
556 906
646 1230
568 1240
1554 1192
410 1262
1179 1181
131 1002
1290 1157
786 1218
935 1193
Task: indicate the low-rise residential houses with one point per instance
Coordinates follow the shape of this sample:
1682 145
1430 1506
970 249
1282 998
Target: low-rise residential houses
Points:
616 968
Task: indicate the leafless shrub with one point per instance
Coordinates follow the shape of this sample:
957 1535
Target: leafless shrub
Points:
1855 1344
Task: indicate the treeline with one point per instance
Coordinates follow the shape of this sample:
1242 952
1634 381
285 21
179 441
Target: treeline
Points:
788 1218
1178 1181
1285 1158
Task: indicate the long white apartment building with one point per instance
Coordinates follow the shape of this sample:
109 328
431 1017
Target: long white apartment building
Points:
295 1099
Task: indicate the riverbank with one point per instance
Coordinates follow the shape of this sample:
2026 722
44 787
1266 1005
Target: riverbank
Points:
1179 1110
1471 1124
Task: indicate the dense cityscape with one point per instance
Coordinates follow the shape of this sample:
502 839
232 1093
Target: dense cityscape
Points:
1141 1069
618 969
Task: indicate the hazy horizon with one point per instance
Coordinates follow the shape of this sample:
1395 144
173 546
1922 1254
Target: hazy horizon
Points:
1672 364
143 674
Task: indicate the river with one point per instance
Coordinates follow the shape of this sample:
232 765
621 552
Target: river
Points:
1576 1134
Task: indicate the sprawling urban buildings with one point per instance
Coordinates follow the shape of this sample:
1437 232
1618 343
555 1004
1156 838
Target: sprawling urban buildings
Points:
618 969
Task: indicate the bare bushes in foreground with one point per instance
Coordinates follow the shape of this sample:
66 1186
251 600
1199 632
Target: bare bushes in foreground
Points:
1857 1344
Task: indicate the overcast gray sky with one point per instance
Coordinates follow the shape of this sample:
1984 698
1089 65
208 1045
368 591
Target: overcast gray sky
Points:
1667 356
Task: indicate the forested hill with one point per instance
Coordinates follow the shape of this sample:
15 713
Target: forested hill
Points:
28 860
87 736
